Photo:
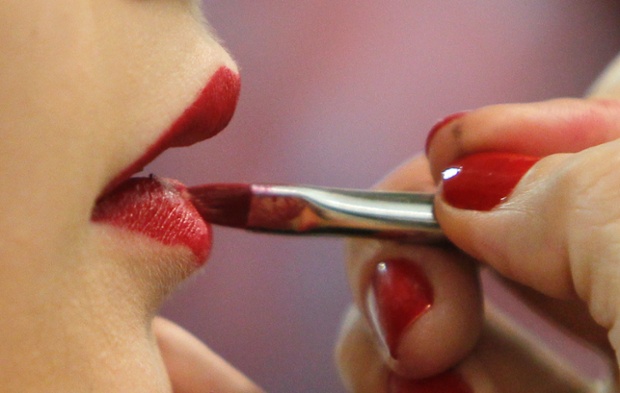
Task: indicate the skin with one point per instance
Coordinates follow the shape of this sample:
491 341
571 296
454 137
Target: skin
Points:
78 298
559 254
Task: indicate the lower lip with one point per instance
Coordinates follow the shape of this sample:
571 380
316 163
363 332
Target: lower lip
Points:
156 208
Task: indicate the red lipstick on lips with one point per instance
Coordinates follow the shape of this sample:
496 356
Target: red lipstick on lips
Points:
155 207
209 114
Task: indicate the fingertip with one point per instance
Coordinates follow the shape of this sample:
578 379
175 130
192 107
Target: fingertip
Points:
192 367
443 143
448 331
517 232
425 308
358 359
562 125
445 122
411 176
482 181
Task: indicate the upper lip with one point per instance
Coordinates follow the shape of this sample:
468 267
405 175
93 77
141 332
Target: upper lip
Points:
208 114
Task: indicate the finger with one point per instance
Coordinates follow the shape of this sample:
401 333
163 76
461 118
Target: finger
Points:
538 129
358 358
607 84
423 302
362 368
556 232
506 359
572 315
194 368
413 175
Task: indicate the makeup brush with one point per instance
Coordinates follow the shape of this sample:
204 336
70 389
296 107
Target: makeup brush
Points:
307 210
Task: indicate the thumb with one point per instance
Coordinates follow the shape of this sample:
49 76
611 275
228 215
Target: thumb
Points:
552 224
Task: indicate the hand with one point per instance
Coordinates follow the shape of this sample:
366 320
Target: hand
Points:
194 368
544 217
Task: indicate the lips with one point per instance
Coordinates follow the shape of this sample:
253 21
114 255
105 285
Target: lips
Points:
156 207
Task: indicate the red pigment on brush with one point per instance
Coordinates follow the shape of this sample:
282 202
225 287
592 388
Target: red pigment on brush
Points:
223 204
277 213
160 209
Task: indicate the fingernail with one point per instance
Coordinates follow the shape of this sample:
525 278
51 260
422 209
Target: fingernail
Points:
484 180
439 125
399 294
443 383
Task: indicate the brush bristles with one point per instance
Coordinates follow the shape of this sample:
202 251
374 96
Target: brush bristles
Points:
223 204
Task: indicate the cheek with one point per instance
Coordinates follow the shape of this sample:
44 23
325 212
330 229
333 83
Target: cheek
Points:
85 88
158 58
49 92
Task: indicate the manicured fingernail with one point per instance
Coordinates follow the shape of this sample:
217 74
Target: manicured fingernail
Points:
443 383
441 124
399 293
484 180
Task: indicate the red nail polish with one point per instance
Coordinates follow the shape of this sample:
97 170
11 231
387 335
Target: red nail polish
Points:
441 124
484 180
399 294
443 383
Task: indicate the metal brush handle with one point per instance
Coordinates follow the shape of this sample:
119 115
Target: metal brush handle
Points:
399 215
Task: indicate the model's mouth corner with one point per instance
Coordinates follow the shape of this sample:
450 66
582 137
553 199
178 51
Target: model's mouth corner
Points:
209 114
159 208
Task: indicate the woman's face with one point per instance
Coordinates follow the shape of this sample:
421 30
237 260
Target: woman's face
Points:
90 91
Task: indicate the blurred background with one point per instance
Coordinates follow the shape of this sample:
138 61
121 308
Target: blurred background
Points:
337 93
